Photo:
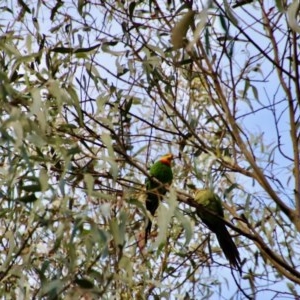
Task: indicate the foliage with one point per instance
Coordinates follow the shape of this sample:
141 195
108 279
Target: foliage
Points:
92 92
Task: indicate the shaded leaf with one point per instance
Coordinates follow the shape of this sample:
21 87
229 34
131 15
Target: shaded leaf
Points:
54 10
255 92
84 283
186 224
292 16
164 216
207 40
31 188
241 3
62 50
28 198
24 6
80 5
131 10
116 232
279 5
87 49
107 140
230 13
178 35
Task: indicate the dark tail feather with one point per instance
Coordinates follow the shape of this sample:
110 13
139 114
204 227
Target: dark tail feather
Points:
151 205
148 230
229 248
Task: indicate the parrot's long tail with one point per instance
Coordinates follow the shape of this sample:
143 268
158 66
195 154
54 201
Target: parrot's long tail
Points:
151 205
148 231
229 248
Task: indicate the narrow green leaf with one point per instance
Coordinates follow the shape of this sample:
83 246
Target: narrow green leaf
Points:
116 233
230 51
246 87
186 224
62 50
5 8
80 5
31 188
230 13
126 265
92 69
54 10
89 181
224 23
51 289
207 40
43 178
292 16
87 49
255 92
164 215
107 140
131 9
110 43
240 3
24 6
76 103
279 5
18 129
203 15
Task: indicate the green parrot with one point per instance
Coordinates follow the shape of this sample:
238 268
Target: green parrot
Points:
212 202
162 171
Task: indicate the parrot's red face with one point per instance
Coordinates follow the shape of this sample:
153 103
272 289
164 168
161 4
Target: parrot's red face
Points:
167 159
